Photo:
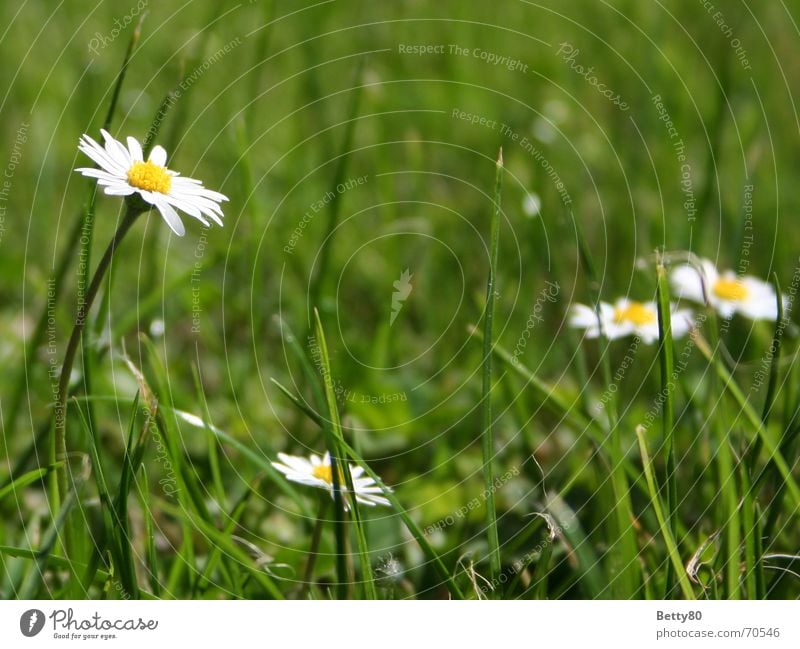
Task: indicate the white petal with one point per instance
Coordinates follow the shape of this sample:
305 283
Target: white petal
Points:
299 464
582 316
760 309
90 172
687 283
100 156
171 217
119 190
158 156
682 322
725 309
648 333
187 207
195 187
614 330
135 149
116 149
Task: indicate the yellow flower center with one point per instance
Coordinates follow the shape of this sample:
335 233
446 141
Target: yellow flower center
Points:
323 472
729 289
150 177
635 312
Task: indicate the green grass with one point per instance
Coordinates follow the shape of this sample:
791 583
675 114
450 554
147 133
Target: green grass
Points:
519 459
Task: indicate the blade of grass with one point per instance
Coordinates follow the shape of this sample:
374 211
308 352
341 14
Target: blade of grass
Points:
750 415
624 558
87 238
25 480
590 576
730 511
143 495
339 467
338 177
85 215
110 522
223 540
655 500
233 520
58 562
775 350
666 363
751 529
487 438
213 454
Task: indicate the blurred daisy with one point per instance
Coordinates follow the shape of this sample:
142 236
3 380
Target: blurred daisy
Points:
316 472
123 172
531 204
726 292
628 318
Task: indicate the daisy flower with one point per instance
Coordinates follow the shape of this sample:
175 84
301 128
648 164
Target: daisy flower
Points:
725 291
316 472
628 318
123 172
531 204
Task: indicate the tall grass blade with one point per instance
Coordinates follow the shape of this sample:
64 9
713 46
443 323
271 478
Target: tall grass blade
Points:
487 438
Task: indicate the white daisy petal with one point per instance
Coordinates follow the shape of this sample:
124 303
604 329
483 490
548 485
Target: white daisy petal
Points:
90 172
123 171
118 190
316 472
135 149
116 149
100 156
582 316
158 156
171 217
727 292
687 283
191 210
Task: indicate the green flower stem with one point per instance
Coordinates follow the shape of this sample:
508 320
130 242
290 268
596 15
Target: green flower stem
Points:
313 552
58 450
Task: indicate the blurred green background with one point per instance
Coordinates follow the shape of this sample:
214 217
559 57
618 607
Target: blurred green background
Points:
278 102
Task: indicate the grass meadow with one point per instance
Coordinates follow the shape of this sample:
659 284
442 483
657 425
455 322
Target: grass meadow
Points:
420 196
